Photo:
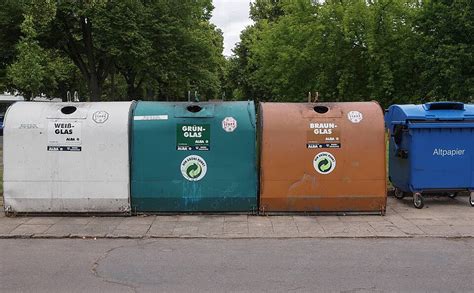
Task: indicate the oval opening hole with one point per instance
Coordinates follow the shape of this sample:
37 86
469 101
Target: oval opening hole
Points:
68 110
194 108
321 109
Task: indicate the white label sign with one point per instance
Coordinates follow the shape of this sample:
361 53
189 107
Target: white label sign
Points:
64 133
355 116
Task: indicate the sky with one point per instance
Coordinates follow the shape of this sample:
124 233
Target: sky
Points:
231 16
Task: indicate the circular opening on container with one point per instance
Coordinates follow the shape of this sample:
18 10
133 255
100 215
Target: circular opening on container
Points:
321 109
194 108
68 110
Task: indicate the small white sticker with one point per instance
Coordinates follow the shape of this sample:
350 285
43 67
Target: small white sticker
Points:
193 168
355 116
150 117
324 163
229 124
100 117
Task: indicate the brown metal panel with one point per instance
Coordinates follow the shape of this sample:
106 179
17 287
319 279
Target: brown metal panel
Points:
322 162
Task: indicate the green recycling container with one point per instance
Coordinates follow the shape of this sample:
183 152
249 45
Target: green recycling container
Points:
194 157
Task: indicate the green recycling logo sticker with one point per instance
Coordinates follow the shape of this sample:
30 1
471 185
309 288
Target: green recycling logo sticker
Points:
193 168
324 163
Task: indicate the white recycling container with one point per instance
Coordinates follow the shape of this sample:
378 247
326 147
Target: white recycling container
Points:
67 157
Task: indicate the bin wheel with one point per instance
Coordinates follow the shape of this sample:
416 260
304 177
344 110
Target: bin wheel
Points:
418 201
399 194
452 194
471 199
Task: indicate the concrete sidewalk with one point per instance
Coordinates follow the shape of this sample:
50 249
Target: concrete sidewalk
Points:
441 217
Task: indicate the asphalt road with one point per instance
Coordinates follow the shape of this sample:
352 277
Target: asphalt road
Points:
299 265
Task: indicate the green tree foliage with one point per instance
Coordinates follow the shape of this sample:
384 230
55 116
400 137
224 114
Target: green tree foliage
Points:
121 49
269 10
35 69
74 31
241 82
11 17
187 49
446 54
393 51
121 33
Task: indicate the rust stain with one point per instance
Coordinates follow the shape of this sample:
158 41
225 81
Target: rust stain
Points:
306 179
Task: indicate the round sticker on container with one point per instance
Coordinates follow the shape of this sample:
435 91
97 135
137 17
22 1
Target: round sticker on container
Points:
229 124
100 117
193 168
324 163
355 116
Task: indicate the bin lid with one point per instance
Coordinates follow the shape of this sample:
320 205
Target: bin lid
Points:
429 112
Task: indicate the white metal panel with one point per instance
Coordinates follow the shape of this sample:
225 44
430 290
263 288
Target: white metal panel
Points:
56 162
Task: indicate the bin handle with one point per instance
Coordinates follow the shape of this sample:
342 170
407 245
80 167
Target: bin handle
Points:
249 111
399 152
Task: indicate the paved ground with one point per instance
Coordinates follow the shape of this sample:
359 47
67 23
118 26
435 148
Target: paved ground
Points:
257 265
441 217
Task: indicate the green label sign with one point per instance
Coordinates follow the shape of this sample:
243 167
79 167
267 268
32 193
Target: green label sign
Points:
193 137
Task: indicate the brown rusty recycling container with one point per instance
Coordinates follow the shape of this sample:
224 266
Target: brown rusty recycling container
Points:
324 157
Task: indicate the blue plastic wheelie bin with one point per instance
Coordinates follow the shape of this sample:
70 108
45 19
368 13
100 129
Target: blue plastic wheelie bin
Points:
431 149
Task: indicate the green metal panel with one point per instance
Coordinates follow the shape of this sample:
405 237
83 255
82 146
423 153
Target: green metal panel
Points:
189 157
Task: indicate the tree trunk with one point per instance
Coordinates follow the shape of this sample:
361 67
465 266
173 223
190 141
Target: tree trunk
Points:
94 88
94 84
130 92
112 85
133 89
130 79
94 67
133 92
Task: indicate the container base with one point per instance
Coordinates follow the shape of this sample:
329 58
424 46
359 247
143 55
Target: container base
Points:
320 205
208 205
